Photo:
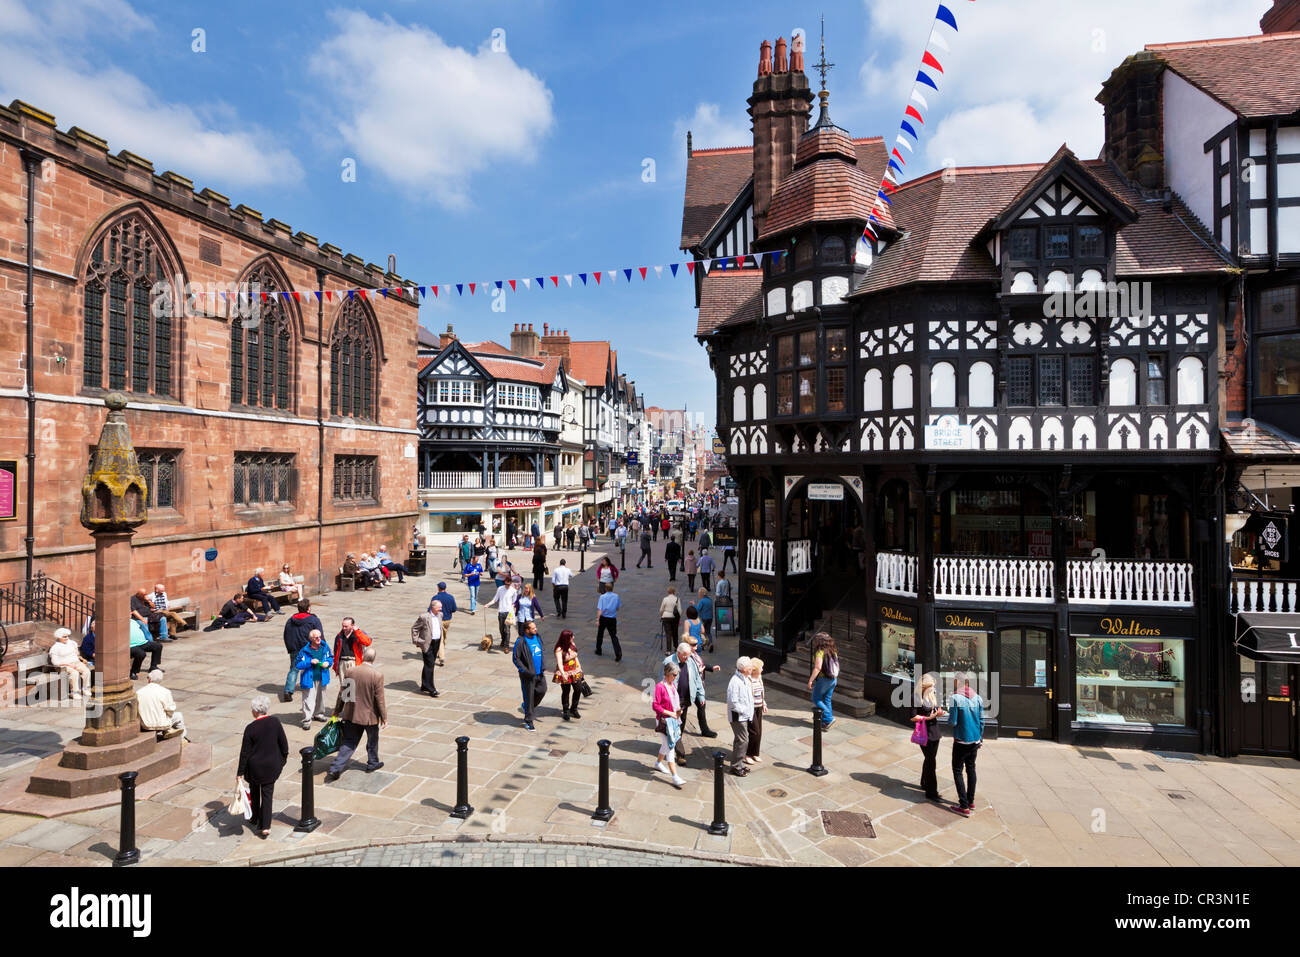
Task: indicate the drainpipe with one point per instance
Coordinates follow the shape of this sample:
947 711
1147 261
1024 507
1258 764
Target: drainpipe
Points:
321 577
31 162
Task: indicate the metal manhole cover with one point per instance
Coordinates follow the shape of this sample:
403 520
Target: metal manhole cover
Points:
847 824
776 793
557 753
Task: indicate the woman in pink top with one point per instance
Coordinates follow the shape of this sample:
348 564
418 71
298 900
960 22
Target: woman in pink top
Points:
667 708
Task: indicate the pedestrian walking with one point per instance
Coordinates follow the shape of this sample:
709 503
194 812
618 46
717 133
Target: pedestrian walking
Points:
349 644
667 710
426 634
752 754
606 575
672 555
297 629
313 665
529 662
262 754
539 565
568 674
698 695
689 565
504 601
527 608
704 605
473 578
559 535
670 616
570 534
363 711
465 554
722 590
560 588
825 673
644 541
740 711
705 565
607 606
966 715
926 715
448 603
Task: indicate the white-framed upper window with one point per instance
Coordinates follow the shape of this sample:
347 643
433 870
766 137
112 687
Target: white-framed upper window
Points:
456 392
511 395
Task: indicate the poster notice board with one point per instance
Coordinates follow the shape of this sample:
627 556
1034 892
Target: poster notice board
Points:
8 490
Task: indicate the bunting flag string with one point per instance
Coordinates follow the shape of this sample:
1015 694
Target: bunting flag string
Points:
912 122
412 292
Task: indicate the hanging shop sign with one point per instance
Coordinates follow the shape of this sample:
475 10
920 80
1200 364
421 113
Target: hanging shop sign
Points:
1270 532
825 492
8 490
517 503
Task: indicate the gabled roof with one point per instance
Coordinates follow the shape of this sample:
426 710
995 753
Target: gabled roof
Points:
1253 76
1064 164
591 361
454 346
729 296
540 371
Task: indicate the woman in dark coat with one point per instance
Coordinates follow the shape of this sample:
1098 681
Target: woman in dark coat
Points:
261 759
539 565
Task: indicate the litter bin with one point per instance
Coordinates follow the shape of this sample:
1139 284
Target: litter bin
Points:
415 562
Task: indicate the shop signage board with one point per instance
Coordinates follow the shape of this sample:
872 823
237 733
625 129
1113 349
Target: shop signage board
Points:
963 619
517 503
8 490
895 613
762 589
948 437
1129 625
1271 535
825 492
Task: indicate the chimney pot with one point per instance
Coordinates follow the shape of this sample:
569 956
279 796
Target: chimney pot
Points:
764 58
781 65
796 54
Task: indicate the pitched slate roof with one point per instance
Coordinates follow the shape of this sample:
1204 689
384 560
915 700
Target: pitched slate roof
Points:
1252 76
941 220
728 296
828 183
715 177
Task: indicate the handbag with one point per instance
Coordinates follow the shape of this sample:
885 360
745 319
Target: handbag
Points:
584 688
241 805
920 734
327 739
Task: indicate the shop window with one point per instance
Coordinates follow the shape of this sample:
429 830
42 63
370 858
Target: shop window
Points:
760 621
963 652
1156 389
785 352
837 348
1130 682
807 348
456 522
785 393
897 650
807 393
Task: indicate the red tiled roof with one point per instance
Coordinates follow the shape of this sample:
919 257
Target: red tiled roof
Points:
714 178
539 371
941 220
729 296
829 182
590 361
1252 76
489 348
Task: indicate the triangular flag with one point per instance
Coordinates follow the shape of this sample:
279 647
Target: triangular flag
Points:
642 274
568 278
923 77
705 264
362 294
628 274
914 113
776 257
528 283
946 16
498 283
435 291
936 39
889 175
422 291
555 281
916 95
384 293
907 128
460 289
471 288
582 276
264 297
512 285
887 185
673 268
659 272
740 262
690 268
296 297
902 142
612 274
882 195
929 60
895 165
329 295
597 275
318 295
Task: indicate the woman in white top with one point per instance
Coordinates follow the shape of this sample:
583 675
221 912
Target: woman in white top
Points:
292 589
65 656
527 608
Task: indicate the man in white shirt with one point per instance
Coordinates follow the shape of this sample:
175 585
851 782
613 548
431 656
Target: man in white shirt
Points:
158 707
504 600
740 711
560 588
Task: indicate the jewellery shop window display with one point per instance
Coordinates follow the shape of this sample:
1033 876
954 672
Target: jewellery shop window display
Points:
1130 681
897 643
963 647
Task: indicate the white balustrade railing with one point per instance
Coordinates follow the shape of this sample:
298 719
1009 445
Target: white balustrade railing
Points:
548 479
799 561
760 556
1109 582
1274 596
516 480
896 574
453 480
959 578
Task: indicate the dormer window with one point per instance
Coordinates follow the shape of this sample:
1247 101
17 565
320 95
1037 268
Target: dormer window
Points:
1057 242
803 255
1023 243
833 251
1091 242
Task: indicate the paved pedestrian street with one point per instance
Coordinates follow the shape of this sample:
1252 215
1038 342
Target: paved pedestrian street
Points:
1039 803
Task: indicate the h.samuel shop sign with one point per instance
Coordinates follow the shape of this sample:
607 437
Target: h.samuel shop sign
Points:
518 503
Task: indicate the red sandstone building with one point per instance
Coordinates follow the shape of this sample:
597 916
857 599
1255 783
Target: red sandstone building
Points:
285 437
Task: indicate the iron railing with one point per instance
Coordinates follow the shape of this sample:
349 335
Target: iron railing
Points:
44 599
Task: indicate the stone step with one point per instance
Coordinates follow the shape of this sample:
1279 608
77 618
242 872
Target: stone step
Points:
843 701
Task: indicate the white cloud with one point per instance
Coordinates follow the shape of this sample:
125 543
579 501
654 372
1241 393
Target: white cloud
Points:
709 129
43 50
424 114
1018 84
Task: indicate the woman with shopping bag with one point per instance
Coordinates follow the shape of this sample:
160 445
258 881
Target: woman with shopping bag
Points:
262 755
568 673
925 733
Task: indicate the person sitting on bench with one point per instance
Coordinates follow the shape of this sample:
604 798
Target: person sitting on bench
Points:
143 611
288 584
385 561
159 600
256 591
368 570
141 645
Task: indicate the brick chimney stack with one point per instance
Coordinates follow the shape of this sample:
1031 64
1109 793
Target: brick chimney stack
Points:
1134 122
446 338
523 341
779 107
555 342
1282 18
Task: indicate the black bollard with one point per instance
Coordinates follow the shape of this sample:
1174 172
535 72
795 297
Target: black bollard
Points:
622 558
603 811
308 821
127 853
719 827
817 770
462 809
582 558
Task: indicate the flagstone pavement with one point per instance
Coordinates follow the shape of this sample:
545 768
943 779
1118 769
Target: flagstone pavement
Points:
1040 803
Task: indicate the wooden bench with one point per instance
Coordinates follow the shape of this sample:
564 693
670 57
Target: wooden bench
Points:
43 681
181 608
344 582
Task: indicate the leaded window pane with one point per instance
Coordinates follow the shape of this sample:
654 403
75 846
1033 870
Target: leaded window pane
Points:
253 345
164 489
1020 381
140 337
1051 380
1024 243
93 335
236 361
1090 242
1057 242
282 369
1082 381
117 332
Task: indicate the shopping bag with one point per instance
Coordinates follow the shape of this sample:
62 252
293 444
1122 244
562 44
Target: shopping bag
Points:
327 739
242 805
920 734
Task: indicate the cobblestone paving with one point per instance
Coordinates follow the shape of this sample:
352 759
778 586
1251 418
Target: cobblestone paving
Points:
494 854
1039 802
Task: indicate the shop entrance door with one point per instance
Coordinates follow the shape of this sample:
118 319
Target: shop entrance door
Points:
1268 702
1025 683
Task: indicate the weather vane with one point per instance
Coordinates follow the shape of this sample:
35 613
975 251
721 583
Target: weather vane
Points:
822 66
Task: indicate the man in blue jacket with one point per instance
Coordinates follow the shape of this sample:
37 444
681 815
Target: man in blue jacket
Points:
256 591
448 609
966 715
314 662
530 662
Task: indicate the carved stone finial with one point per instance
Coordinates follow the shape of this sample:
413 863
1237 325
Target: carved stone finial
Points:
113 493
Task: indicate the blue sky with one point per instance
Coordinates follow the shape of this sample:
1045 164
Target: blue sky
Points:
498 140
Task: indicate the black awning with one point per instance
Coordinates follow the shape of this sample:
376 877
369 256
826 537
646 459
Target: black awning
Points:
1269 636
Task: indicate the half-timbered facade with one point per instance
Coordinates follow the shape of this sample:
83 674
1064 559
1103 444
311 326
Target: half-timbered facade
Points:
987 442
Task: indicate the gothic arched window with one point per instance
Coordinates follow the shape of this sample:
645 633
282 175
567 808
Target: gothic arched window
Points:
125 309
261 346
354 364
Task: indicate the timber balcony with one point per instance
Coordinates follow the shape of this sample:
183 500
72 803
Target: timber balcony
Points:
761 557
438 481
1267 595
971 578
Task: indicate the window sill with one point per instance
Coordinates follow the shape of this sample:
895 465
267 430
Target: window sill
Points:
259 509
355 502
